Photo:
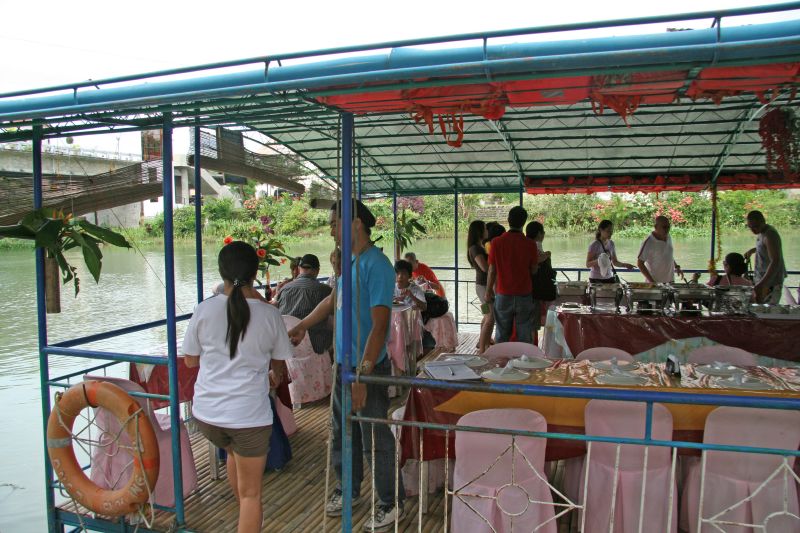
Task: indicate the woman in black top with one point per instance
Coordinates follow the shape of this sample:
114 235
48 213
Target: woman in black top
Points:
479 260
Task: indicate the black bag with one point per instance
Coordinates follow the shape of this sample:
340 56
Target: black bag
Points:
544 282
436 306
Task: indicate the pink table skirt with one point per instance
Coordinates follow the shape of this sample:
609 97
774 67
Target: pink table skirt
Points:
405 335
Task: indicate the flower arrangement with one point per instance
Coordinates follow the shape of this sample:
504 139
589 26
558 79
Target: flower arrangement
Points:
269 249
780 136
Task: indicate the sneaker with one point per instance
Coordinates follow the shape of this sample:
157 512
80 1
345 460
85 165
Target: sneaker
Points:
334 505
384 518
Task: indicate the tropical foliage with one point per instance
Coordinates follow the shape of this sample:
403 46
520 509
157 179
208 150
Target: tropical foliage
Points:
56 233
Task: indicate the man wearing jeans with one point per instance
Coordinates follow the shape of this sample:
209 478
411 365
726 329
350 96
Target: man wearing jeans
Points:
513 260
372 288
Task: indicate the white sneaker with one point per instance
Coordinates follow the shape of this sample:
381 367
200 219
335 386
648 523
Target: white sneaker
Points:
384 518
334 505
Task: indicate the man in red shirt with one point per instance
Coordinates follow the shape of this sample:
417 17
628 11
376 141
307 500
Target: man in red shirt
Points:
421 270
513 259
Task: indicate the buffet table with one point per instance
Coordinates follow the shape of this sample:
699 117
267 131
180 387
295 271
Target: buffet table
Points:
565 415
568 332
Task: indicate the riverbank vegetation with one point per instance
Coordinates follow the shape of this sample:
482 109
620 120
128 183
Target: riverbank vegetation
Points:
563 215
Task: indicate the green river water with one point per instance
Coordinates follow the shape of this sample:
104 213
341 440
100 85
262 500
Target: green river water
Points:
131 292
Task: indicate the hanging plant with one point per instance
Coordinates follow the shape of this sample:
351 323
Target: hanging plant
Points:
56 233
780 136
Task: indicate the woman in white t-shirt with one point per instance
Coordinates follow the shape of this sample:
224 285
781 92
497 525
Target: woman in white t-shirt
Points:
601 269
233 337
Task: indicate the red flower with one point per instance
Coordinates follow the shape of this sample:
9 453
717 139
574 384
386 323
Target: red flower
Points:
227 240
261 253
283 260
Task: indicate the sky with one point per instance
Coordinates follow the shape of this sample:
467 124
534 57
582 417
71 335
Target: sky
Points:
54 42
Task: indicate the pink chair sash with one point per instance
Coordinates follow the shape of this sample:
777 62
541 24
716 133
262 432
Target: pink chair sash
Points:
737 477
485 498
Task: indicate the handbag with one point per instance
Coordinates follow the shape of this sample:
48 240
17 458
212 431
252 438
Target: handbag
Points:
613 270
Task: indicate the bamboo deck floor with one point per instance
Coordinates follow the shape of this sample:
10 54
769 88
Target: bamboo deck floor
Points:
293 498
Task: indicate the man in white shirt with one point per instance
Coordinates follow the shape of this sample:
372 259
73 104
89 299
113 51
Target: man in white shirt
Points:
656 260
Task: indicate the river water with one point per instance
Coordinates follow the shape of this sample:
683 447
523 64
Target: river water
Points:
131 292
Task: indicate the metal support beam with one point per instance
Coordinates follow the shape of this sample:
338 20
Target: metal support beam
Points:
746 117
41 315
172 337
455 251
198 211
359 173
394 224
346 316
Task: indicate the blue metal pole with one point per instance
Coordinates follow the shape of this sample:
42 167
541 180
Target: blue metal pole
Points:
41 315
346 228
713 224
359 173
394 224
198 210
172 338
455 250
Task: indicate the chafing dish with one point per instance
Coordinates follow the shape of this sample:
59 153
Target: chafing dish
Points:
646 297
572 290
692 297
605 291
733 300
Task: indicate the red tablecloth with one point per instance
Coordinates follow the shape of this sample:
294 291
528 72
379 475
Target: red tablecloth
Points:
637 333
159 384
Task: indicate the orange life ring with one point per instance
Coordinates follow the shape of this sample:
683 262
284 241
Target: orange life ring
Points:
136 423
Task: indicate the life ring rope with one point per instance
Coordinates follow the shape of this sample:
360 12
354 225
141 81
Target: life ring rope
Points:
136 495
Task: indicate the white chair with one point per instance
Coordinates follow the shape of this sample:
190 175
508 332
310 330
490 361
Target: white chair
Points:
499 486
625 419
513 349
735 487
311 372
111 464
603 354
719 352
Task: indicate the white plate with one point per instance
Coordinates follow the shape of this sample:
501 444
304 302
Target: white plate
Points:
746 384
472 361
512 374
620 379
723 372
534 363
622 365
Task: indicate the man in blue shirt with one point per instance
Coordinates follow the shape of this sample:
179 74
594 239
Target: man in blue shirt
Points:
372 289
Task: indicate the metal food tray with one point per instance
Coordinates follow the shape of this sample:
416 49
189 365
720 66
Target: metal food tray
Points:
572 288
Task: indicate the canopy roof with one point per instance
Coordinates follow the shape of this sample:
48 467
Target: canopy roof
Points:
677 109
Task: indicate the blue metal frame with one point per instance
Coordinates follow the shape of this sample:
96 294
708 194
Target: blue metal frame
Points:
346 316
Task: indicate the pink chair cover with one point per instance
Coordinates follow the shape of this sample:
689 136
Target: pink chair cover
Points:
733 477
410 470
403 332
625 419
514 349
603 354
311 372
444 331
485 498
111 464
719 352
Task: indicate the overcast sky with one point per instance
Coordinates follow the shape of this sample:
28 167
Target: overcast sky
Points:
53 42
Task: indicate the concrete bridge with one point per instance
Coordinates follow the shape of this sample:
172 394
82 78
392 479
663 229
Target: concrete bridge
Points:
15 160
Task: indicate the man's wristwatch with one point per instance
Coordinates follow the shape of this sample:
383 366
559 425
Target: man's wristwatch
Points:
365 367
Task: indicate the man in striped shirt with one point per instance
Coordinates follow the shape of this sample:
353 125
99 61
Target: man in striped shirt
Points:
301 295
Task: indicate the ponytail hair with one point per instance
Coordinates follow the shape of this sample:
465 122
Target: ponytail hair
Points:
604 224
238 264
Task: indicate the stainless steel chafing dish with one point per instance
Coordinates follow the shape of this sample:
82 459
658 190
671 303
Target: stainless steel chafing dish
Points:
692 297
572 290
605 291
646 297
733 300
